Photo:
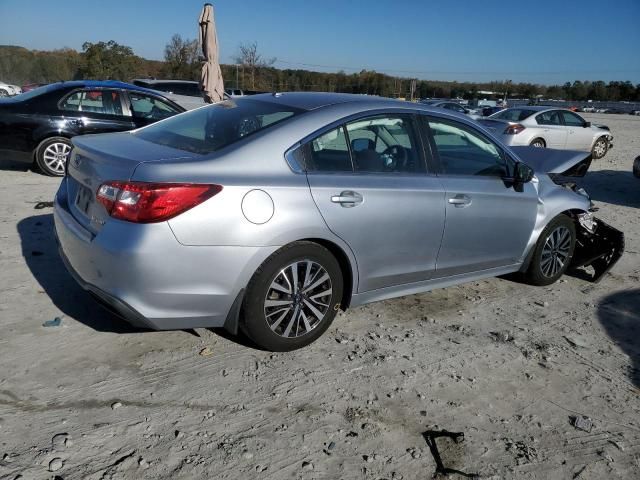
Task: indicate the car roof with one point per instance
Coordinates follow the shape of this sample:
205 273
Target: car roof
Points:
99 84
160 82
314 100
535 108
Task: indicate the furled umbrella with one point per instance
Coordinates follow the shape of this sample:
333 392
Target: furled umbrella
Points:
211 77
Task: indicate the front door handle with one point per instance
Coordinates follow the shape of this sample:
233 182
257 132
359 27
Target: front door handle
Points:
460 200
347 199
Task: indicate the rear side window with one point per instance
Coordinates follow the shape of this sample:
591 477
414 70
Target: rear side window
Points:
513 114
330 152
95 101
549 118
211 128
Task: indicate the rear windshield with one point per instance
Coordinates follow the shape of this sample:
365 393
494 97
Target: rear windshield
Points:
211 128
513 114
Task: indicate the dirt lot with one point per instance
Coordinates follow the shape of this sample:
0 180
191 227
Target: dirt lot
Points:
504 363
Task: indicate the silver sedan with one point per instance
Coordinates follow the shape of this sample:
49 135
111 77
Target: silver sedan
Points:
271 213
550 128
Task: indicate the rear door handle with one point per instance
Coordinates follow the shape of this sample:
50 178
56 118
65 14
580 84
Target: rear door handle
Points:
460 200
347 199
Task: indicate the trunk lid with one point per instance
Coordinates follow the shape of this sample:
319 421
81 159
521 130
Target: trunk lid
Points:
96 159
496 127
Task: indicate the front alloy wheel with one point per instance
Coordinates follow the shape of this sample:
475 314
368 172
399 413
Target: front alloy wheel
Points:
600 148
555 252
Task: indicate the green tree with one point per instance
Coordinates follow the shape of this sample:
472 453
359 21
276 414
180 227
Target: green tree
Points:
181 59
108 61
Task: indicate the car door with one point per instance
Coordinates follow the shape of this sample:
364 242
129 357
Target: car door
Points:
579 137
95 111
369 181
488 223
552 129
146 109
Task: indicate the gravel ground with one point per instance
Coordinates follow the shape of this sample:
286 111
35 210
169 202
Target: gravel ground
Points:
504 363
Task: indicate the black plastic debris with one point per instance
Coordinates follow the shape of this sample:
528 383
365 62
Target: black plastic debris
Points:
41 205
430 437
53 323
582 423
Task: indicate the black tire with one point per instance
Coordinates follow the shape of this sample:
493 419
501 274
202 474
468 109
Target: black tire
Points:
636 167
600 148
255 311
3 93
52 146
538 272
538 142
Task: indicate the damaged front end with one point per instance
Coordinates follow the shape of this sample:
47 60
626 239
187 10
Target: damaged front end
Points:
598 245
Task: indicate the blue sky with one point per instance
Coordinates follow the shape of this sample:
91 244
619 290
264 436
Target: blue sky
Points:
541 41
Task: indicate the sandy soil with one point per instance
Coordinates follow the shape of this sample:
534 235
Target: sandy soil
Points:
504 363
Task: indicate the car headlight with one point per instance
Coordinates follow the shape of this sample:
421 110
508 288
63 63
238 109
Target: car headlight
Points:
588 222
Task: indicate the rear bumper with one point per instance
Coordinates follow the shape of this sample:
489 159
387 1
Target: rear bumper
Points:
142 273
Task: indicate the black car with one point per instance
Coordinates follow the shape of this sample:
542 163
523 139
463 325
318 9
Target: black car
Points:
35 127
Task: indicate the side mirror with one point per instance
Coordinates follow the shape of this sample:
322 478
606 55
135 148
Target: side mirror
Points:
523 173
587 124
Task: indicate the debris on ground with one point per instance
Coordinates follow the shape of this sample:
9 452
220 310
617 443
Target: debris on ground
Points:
55 464
41 205
582 422
206 352
53 323
115 405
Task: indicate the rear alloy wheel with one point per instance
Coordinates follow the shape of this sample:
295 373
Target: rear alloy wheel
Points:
600 148
293 297
52 154
553 252
538 143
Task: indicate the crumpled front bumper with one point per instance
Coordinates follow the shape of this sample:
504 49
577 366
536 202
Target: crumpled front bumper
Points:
600 249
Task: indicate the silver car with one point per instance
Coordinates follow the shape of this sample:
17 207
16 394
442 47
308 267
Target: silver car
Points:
550 128
270 213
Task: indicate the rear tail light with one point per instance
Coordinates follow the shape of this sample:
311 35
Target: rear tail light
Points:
143 202
514 129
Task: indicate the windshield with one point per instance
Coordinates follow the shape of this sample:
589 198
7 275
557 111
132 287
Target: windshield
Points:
211 128
513 114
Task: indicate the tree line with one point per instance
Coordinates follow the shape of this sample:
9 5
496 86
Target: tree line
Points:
252 71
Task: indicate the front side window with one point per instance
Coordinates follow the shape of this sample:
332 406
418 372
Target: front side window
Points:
95 101
571 119
385 144
463 151
211 128
549 118
146 106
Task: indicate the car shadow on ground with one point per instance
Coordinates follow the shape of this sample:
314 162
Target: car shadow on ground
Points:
7 164
619 314
40 251
612 186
